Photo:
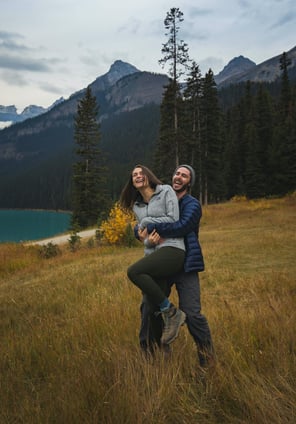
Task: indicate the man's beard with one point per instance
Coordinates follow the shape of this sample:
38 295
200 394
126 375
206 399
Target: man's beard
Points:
184 187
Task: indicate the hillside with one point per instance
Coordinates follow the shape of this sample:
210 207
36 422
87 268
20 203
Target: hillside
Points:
36 155
38 152
267 71
69 325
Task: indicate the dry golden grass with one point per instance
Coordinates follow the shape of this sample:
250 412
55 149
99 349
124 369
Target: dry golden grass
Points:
68 331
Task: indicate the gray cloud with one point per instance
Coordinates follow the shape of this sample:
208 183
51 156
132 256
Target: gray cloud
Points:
12 46
194 12
50 88
20 57
139 27
245 4
13 78
190 29
215 63
190 34
8 41
131 27
90 60
285 19
21 63
5 35
156 28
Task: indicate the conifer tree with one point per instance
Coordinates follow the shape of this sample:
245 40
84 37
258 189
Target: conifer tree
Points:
191 121
242 117
175 52
231 154
257 138
211 142
264 122
285 97
284 144
255 180
89 173
165 153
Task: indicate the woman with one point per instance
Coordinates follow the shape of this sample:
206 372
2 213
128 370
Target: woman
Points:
153 202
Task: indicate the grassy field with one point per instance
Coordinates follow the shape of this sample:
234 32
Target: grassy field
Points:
69 330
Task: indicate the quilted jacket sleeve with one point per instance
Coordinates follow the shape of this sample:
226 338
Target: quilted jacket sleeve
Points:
190 214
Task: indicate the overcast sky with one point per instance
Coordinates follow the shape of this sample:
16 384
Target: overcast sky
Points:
52 48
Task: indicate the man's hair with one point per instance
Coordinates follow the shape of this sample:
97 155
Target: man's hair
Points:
191 170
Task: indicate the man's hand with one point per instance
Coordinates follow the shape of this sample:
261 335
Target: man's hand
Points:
154 238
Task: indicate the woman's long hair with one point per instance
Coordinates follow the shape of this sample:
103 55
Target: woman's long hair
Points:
129 194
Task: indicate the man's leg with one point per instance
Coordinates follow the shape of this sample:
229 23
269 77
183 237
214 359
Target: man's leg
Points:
151 327
188 288
151 323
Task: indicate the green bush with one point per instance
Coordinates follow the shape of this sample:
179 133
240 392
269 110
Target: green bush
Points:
74 242
129 238
49 250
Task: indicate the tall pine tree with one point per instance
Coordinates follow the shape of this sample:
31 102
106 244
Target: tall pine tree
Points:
211 143
191 122
285 136
254 175
175 52
165 153
89 173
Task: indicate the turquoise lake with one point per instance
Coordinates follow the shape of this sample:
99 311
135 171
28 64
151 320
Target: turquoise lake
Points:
23 225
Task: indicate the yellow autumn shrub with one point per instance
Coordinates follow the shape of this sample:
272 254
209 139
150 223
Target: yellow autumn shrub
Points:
114 228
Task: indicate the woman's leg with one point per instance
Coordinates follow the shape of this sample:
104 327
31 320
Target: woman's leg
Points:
161 264
147 274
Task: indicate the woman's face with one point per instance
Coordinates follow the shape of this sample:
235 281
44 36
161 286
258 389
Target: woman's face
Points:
139 179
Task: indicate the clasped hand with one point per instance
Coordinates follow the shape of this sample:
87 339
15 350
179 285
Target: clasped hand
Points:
153 238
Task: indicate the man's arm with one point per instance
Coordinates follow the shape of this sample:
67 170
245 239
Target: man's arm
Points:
190 214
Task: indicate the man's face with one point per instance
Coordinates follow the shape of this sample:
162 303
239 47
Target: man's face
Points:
181 180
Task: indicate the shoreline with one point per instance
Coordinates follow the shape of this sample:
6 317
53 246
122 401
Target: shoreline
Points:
62 239
37 210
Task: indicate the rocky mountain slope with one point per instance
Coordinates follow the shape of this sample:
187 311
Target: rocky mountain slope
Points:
117 71
241 69
10 113
234 68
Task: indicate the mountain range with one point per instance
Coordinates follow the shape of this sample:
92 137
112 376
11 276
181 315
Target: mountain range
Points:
36 154
239 69
10 113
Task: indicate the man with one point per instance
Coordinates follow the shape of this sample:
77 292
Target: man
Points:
187 281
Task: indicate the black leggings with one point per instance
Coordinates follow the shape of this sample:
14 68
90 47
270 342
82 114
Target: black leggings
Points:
151 272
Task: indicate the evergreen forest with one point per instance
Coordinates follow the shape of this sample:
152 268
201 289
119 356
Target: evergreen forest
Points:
240 139
245 147
251 148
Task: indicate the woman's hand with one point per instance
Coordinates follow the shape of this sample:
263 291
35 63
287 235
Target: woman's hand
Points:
142 234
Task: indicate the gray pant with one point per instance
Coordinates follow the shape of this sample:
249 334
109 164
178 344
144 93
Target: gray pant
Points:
188 288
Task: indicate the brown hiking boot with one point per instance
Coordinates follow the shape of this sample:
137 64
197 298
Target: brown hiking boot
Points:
173 319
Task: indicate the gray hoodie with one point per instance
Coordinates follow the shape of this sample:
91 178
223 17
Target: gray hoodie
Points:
162 207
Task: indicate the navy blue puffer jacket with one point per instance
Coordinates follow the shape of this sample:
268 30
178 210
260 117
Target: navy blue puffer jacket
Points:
187 227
